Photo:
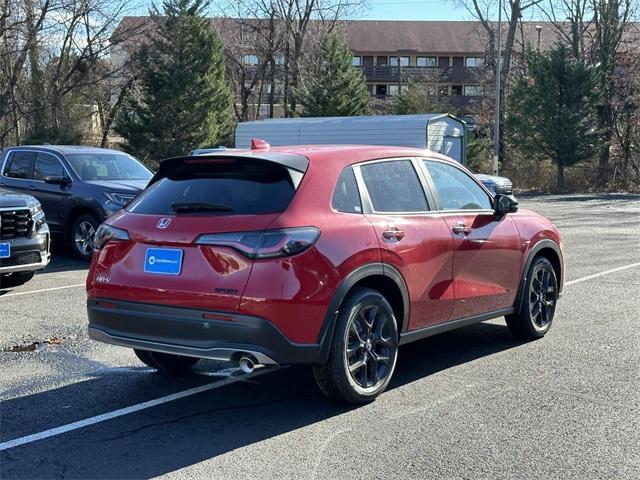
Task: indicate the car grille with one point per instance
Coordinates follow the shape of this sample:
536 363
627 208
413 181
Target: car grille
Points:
15 223
22 258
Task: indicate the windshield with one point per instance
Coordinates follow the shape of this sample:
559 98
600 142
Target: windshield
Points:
108 166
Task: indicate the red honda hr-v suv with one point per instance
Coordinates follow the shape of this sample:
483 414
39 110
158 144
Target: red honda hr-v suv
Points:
325 255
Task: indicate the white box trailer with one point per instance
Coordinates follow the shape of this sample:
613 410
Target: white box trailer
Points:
442 133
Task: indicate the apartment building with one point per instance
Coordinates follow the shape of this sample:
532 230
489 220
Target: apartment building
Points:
446 58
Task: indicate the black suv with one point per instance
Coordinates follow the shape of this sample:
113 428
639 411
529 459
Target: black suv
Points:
78 187
24 239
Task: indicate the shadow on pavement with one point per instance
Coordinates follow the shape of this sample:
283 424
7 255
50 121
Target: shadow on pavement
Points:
185 432
63 260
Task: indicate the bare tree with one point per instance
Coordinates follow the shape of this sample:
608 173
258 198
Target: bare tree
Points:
253 40
283 35
572 20
611 21
483 10
53 60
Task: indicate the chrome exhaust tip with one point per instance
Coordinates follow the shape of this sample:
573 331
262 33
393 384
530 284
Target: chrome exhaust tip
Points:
247 364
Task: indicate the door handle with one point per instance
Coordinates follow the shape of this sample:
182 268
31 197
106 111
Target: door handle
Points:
461 228
31 187
393 233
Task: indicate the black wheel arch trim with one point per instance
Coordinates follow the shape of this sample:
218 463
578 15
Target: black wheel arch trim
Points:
328 326
533 252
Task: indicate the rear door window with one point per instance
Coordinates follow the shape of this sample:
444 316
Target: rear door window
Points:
20 165
394 187
346 197
227 187
47 166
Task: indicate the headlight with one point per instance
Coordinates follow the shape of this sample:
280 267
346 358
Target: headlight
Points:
35 208
120 198
107 233
37 215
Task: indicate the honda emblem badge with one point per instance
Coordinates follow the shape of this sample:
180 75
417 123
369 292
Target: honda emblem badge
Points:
163 222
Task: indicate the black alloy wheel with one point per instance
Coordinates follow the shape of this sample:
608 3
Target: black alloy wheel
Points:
370 346
542 297
538 308
364 349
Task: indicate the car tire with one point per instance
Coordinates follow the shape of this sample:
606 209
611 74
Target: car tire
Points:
538 303
166 362
82 232
15 279
366 333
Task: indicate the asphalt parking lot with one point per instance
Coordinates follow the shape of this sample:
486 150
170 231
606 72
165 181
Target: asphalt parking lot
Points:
472 403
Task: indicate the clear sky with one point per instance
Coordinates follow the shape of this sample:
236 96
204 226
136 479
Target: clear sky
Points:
415 10
377 10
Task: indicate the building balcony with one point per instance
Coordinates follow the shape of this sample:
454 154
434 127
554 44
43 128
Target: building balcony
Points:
457 74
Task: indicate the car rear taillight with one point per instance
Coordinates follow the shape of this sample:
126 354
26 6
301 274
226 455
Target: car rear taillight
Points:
267 244
107 233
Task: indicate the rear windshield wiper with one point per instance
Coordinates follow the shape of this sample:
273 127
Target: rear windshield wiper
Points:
187 207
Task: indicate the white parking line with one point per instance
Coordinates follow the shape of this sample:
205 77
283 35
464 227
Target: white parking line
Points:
127 410
606 272
185 393
19 294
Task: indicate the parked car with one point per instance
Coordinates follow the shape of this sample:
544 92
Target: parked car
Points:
496 184
24 239
331 256
439 132
78 187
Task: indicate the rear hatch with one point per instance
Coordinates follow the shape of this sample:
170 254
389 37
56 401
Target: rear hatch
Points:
166 260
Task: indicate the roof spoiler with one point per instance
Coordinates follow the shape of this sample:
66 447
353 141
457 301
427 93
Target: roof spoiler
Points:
292 161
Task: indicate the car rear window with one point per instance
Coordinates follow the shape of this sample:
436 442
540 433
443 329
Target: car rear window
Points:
394 187
241 186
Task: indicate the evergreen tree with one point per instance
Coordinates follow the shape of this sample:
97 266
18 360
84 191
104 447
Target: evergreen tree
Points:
337 88
182 100
552 111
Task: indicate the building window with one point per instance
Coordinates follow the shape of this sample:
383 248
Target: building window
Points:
473 90
431 90
382 61
356 61
399 61
443 90
456 89
250 60
381 90
394 89
444 62
279 59
426 61
473 62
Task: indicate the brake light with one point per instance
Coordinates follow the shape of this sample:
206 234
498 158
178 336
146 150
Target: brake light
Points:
107 233
268 244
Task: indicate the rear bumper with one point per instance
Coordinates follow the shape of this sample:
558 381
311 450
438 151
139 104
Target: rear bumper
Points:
193 332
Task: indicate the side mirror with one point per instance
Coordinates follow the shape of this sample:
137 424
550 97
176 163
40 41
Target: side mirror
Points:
503 204
61 180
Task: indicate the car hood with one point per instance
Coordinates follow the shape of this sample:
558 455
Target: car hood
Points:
492 178
133 186
11 199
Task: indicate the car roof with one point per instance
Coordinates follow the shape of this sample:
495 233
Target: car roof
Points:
336 155
65 149
348 154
